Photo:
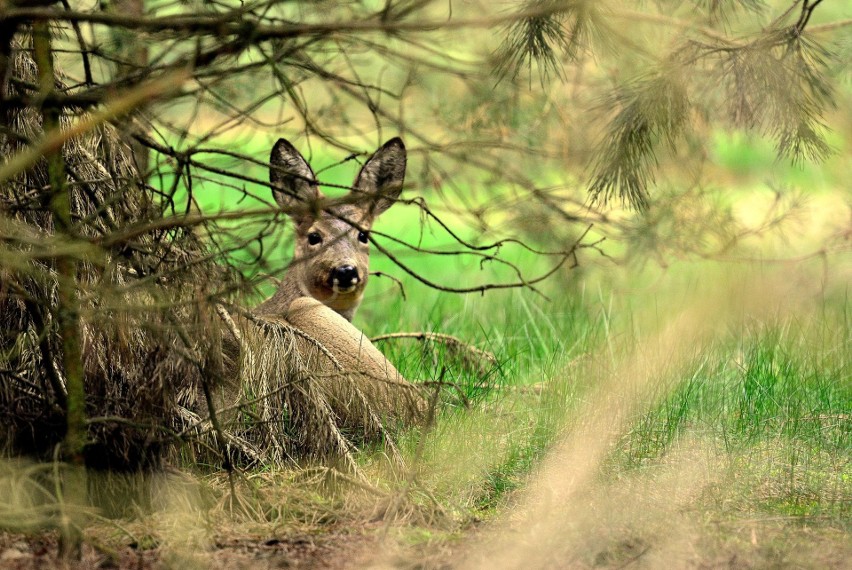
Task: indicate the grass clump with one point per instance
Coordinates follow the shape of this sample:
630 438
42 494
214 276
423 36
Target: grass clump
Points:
772 401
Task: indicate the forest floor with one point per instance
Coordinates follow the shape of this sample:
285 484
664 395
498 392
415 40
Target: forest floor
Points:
770 543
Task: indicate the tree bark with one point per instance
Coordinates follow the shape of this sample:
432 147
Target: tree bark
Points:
67 313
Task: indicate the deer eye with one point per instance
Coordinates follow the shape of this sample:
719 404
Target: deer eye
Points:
364 237
314 238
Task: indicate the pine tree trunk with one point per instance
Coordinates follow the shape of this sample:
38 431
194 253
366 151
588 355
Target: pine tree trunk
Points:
67 315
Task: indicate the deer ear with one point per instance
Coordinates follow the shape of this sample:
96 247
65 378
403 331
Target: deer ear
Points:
293 182
380 180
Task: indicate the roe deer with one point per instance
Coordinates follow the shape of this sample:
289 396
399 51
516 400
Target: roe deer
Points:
332 255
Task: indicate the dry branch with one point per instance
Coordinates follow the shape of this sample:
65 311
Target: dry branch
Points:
474 357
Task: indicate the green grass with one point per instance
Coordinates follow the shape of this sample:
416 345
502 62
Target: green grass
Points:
770 398
772 381
774 401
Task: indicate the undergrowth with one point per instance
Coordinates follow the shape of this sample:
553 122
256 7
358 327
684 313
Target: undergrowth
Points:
767 402
771 398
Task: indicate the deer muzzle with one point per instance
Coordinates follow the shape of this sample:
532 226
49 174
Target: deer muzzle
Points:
344 279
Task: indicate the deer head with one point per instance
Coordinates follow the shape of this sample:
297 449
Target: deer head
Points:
332 253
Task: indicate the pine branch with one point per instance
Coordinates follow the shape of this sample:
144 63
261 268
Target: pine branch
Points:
651 111
555 32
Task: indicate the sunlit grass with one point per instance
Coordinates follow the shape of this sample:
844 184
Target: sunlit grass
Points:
778 381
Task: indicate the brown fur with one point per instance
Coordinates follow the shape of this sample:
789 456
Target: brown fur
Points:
339 227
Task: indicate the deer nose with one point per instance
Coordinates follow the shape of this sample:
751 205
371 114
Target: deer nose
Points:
344 277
